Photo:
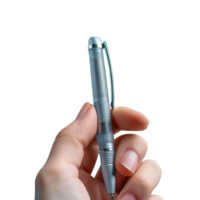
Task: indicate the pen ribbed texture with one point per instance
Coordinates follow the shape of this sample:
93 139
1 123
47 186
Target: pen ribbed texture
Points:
107 157
108 169
103 110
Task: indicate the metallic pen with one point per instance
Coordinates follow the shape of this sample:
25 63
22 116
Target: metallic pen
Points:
104 134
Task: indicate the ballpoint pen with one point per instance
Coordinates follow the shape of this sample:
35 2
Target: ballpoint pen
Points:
104 134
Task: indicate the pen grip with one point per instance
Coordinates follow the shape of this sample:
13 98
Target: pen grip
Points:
104 124
107 157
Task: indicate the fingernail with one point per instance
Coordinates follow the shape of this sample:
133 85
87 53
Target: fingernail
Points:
83 110
130 160
128 197
139 113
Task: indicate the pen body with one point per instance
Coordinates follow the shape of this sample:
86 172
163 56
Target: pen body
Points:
104 134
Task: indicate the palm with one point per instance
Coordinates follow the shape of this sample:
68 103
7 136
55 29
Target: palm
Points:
95 188
83 187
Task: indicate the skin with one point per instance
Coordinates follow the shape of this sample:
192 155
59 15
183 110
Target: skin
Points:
67 171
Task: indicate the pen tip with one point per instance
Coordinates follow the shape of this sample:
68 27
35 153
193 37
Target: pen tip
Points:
112 196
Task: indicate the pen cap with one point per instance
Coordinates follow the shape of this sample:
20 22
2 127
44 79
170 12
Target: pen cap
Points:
95 41
97 66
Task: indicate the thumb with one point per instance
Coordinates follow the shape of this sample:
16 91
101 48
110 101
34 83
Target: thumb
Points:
68 148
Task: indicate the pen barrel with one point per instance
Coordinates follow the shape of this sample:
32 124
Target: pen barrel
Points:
104 132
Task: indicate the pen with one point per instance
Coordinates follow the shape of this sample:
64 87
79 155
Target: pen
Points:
104 134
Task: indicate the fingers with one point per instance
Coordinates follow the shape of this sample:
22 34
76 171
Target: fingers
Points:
128 120
73 144
141 184
123 118
130 151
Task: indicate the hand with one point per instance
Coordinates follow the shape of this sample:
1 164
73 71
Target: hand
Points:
67 173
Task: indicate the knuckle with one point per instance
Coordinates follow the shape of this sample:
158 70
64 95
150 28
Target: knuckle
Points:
154 164
144 185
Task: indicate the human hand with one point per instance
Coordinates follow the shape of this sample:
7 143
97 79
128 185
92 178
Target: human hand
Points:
67 173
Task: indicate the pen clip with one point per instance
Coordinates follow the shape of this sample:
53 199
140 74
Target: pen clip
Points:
105 46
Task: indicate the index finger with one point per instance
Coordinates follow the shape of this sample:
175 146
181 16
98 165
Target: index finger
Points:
126 119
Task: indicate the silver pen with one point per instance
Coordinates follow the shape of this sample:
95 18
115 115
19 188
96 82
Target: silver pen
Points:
104 134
